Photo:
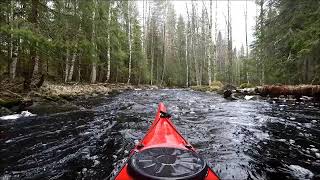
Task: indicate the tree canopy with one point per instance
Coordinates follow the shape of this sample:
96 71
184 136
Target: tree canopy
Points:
113 41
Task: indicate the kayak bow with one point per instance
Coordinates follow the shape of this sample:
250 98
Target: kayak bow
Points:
164 154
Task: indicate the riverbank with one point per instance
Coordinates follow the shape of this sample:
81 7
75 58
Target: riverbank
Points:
291 92
60 96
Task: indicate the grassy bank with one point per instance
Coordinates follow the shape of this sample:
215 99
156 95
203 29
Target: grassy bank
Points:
13 99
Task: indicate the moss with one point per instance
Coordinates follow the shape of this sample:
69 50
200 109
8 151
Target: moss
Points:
4 111
114 92
206 88
217 84
246 85
215 88
52 97
9 103
67 97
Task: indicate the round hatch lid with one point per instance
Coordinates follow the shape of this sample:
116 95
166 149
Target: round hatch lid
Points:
167 163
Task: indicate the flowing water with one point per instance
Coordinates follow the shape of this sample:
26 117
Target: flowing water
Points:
262 139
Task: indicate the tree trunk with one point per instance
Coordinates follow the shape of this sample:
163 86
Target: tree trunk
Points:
79 69
13 65
152 59
143 27
164 46
247 49
193 27
35 65
230 52
74 56
129 42
215 69
186 52
10 22
93 39
93 72
261 53
108 43
210 45
187 64
66 70
33 18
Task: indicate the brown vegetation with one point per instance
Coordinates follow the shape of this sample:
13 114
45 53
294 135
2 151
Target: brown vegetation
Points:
298 91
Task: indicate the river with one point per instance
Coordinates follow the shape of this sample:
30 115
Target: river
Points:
242 139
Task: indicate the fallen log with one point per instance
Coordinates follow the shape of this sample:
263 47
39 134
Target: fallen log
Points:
275 91
286 90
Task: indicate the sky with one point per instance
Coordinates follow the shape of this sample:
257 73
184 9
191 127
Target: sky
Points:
237 16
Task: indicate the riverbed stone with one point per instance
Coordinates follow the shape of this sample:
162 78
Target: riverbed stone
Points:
4 111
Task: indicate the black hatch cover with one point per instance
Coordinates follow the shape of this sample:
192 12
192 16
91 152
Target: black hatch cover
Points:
167 163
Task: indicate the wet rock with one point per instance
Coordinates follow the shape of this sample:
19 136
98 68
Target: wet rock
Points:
246 97
16 116
52 97
114 92
300 172
227 93
67 97
49 107
154 87
4 111
10 103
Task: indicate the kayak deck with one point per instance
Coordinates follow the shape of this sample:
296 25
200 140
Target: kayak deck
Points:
161 134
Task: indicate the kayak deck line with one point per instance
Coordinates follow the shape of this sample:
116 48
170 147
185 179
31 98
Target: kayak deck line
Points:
164 153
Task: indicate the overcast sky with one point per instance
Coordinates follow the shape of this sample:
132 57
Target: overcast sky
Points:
237 14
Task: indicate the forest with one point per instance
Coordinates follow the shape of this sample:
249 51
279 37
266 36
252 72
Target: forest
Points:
113 41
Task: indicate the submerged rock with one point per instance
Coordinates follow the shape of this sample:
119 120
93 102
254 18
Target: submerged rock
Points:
248 97
227 93
10 103
114 92
4 111
300 172
16 116
42 107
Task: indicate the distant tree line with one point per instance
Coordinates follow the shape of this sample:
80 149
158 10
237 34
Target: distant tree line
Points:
111 41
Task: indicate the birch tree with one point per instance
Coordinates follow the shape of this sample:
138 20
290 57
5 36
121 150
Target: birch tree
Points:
230 51
129 42
215 69
210 45
93 42
108 42
33 18
66 71
165 44
247 49
14 46
73 59
186 51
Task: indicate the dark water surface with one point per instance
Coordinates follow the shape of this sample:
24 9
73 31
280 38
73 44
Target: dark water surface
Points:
263 139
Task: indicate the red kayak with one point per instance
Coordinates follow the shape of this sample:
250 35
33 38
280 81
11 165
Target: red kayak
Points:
164 154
